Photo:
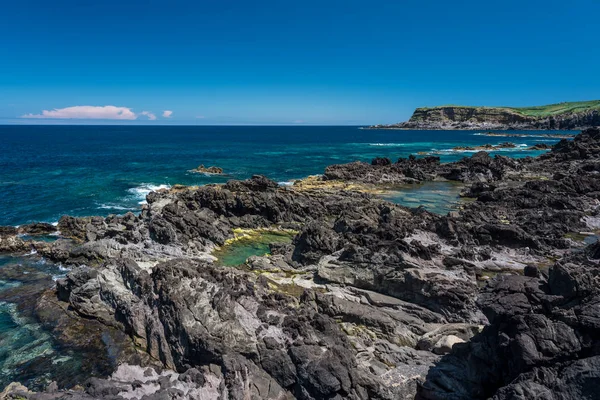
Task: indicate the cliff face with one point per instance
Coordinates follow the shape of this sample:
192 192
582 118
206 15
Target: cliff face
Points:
457 117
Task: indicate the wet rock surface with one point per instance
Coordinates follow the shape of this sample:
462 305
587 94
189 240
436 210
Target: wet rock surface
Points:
370 300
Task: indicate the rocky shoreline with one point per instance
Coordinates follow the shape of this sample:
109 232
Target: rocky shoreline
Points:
370 299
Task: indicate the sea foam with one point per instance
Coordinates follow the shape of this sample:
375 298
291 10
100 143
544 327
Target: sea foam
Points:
104 206
389 144
140 192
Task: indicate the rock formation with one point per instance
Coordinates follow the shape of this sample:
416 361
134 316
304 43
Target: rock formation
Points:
208 170
566 116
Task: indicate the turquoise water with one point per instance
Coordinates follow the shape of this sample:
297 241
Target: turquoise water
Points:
29 353
49 171
437 197
23 341
237 252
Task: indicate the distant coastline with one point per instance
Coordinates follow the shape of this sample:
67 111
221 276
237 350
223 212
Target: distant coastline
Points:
562 116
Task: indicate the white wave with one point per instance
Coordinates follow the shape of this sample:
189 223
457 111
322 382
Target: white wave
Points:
288 183
208 174
140 192
524 135
53 223
61 359
519 147
388 144
62 268
114 207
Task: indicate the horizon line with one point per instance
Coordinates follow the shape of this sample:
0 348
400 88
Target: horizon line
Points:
176 124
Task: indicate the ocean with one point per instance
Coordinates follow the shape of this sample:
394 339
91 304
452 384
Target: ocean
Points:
50 171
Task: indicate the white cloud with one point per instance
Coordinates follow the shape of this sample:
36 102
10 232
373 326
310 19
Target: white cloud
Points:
148 114
87 112
167 113
200 117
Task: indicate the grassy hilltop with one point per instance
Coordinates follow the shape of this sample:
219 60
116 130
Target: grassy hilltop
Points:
560 108
535 111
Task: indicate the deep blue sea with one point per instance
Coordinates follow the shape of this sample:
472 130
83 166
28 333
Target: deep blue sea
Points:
50 171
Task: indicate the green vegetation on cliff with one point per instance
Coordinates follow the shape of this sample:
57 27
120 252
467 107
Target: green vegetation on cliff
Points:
562 116
560 108
535 111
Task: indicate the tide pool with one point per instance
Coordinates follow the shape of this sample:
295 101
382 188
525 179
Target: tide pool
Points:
257 243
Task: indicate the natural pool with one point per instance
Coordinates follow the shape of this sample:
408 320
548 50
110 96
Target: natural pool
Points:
29 351
40 238
250 243
24 343
436 197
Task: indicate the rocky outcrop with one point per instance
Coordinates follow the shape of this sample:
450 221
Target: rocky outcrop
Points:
381 172
208 170
486 147
133 382
15 239
265 344
500 118
540 146
542 341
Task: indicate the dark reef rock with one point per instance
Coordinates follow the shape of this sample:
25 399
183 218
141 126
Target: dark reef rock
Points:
381 161
540 146
208 170
542 340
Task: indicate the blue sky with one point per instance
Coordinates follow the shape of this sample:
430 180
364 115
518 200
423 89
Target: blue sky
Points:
289 62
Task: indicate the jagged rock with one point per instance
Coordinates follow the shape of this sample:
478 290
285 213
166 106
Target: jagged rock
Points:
12 244
540 146
381 161
535 325
208 170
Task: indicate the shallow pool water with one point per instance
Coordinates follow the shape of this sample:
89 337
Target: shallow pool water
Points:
254 244
436 197
29 353
41 238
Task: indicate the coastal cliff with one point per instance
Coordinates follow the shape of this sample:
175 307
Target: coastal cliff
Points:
562 116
